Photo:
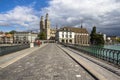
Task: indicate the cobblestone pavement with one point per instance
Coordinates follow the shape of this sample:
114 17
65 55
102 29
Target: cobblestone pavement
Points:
47 63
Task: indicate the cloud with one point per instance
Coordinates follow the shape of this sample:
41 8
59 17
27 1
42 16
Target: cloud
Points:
102 13
21 16
105 14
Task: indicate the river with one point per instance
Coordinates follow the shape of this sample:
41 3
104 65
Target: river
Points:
115 47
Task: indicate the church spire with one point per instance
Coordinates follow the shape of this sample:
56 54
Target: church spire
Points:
81 23
42 25
56 26
47 16
81 26
42 18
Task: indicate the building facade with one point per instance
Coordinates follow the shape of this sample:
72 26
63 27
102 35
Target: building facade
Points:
45 27
65 36
24 37
72 35
6 38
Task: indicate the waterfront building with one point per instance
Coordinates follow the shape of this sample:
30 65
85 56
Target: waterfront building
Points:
104 36
1 37
112 39
46 28
25 37
65 35
73 35
6 38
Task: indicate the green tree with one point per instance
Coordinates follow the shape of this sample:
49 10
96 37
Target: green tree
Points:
99 39
118 40
12 32
96 39
42 35
93 35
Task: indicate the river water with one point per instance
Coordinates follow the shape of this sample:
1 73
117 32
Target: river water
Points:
114 47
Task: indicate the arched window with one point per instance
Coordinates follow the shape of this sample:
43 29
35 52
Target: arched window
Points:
63 40
70 41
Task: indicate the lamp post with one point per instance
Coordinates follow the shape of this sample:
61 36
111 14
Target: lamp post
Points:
31 44
31 36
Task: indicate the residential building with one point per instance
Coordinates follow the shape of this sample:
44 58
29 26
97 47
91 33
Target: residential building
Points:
65 35
6 38
24 37
1 37
73 35
112 39
104 36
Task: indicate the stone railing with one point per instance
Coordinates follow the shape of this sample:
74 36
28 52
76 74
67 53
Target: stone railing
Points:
9 49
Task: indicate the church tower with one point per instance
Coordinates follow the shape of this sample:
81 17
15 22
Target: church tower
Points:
42 25
47 27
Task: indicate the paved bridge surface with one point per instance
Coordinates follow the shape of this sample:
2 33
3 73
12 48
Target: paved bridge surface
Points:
54 62
46 63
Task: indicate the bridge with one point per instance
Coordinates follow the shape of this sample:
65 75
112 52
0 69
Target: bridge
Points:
52 61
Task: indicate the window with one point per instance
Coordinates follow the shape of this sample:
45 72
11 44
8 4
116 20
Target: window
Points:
24 38
63 40
66 41
62 35
70 41
66 36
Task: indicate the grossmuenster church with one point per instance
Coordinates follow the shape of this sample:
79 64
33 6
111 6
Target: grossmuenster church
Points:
46 28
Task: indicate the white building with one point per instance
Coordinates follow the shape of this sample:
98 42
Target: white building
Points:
65 36
104 36
24 37
73 35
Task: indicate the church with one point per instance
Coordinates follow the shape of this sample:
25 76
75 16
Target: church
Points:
46 28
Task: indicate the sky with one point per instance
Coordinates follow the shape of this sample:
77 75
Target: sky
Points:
22 15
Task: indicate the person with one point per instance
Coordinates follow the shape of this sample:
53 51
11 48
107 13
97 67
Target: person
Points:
38 43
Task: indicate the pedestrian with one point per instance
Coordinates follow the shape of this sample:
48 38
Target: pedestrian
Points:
38 43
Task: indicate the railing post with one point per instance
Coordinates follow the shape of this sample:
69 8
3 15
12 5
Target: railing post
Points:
118 58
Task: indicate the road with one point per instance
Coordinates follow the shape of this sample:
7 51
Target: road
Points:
47 63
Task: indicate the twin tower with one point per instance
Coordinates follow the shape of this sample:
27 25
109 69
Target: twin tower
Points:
45 26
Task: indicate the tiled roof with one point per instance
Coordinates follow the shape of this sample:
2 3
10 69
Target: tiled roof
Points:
74 29
9 35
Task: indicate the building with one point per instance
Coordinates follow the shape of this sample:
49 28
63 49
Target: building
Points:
6 38
65 35
104 36
112 39
24 37
72 35
1 37
45 27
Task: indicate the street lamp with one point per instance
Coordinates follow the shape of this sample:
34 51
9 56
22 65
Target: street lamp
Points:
31 44
31 36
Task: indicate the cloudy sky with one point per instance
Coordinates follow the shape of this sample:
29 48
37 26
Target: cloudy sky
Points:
25 14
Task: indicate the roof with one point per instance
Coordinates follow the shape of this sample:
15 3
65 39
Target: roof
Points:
25 33
8 35
74 29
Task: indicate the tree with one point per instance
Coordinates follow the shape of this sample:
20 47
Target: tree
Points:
92 35
118 40
99 39
42 36
12 32
96 39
